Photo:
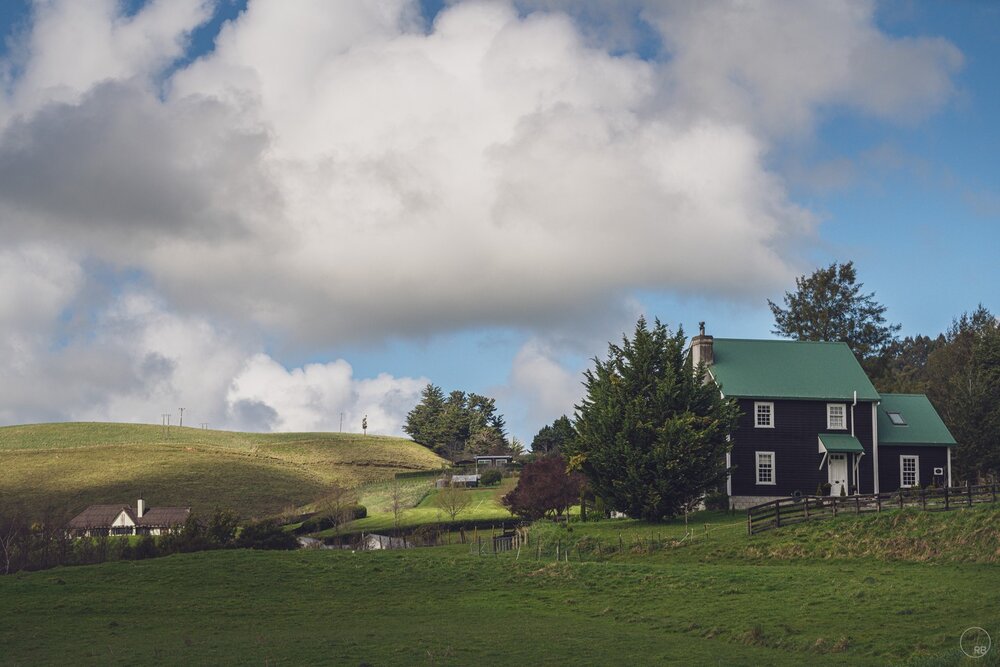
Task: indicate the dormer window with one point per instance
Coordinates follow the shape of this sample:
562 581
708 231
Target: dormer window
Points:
836 416
896 418
763 415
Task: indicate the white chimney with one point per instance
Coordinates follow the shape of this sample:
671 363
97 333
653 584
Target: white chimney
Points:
701 347
140 508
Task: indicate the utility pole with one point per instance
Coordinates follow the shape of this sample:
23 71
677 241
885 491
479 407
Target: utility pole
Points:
182 416
204 425
341 422
166 423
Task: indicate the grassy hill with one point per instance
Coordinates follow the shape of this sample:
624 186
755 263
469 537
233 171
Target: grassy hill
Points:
69 466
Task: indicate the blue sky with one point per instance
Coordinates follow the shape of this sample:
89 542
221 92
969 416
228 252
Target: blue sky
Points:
273 214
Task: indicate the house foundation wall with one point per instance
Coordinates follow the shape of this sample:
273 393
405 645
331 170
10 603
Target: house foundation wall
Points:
743 502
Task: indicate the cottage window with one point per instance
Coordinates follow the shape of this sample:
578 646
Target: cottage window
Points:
836 416
765 468
763 415
909 471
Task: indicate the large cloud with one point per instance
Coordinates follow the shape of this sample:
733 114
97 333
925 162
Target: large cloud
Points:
338 172
136 360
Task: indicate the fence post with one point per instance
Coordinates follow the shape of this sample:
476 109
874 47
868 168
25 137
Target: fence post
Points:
923 499
946 497
878 502
806 508
968 487
901 498
777 514
749 522
857 504
994 491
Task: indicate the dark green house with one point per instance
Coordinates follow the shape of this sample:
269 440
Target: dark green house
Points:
810 416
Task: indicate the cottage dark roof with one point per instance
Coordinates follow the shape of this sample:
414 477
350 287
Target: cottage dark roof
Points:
100 516
164 517
789 369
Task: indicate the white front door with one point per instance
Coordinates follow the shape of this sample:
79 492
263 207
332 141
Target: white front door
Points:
837 469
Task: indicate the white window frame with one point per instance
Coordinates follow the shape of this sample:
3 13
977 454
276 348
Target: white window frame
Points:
902 471
756 414
774 468
829 416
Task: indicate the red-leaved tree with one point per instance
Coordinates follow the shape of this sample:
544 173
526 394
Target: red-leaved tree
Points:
544 488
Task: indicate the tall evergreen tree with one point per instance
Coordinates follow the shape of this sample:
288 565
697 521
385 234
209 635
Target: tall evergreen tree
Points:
652 434
964 384
423 421
829 306
449 424
551 438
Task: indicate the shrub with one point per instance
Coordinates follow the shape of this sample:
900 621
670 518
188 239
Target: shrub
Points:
221 530
544 487
491 477
267 534
716 500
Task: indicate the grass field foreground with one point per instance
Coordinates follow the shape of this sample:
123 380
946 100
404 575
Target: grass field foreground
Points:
443 606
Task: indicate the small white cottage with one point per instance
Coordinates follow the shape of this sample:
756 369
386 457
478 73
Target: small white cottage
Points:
123 520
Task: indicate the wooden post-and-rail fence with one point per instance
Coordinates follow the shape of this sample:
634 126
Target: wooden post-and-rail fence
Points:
788 511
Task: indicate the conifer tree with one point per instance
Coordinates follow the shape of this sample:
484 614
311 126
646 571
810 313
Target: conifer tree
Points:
651 433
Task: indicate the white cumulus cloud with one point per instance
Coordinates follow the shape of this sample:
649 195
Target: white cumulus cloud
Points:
340 172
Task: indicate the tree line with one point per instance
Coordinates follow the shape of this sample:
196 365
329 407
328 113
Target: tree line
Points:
459 424
958 369
45 543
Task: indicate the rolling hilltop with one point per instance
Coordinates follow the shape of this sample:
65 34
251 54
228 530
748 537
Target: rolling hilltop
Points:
68 466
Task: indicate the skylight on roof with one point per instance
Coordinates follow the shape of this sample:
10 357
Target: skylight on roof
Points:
896 418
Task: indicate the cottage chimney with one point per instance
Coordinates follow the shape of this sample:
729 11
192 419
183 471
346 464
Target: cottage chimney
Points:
701 347
140 508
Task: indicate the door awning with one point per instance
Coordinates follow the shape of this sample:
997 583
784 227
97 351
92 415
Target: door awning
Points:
836 443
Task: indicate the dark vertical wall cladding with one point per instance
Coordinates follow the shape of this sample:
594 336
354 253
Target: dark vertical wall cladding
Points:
794 441
929 458
863 432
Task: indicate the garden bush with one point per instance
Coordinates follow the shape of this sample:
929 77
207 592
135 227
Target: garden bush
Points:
491 477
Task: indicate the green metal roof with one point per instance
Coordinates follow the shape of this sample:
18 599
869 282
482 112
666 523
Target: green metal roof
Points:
789 369
838 442
923 424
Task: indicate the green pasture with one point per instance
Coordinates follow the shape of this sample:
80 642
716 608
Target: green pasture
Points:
421 509
445 606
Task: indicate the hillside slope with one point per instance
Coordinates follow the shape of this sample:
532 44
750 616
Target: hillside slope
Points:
68 466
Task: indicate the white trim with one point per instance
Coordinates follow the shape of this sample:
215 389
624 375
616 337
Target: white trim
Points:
756 422
949 466
843 417
916 471
774 469
729 474
875 443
